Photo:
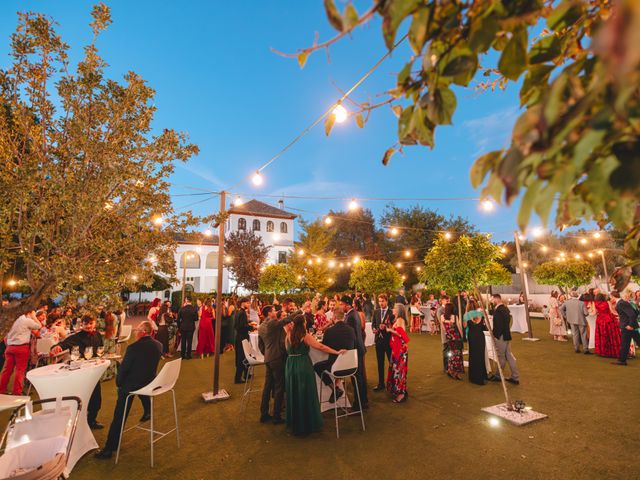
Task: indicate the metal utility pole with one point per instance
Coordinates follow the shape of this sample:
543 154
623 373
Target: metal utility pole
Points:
184 277
523 280
218 394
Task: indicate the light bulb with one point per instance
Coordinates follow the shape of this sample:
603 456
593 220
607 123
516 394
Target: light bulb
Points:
276 236
353 205
12 283
577 256
600 252
158 220
208 233
418 269
228 259
340 113
525 265
404 277
394 231
257 179
300 252
328 220
583 241
134 278
544 248
262 269
521 237
332 263
407 253
503 250
597 235
309 262
398 265
299 277
590 255
319 260
341 265
447 236
537 232
356 259
562 254
487 205
238 201
494 422
348 264
330 280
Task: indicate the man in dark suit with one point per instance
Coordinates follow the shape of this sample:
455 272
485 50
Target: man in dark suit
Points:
272 333
187 318
137 370
340 336
382 319
243 327
628 325
502 338
352 319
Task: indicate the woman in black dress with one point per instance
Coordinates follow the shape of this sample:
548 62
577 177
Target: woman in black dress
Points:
474 319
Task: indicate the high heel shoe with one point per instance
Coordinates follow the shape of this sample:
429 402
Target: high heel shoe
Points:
403 399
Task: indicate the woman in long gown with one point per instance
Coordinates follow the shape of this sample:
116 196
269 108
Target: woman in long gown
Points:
163 320
416 315
206 337
455 367
556 325
608 334
474 320
399 360
303 408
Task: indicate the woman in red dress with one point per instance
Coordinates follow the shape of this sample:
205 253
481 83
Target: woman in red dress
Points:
399 361
607 329
206 338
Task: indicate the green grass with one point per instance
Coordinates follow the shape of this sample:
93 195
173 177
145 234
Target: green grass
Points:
591 432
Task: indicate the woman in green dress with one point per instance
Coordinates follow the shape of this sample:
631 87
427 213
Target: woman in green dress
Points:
303 407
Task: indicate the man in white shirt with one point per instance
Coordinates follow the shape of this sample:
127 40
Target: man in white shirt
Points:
331 313
17 352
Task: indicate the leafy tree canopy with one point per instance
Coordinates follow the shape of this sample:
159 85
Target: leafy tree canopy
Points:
248 255
277 278
495 274
569 273
375 276
307 261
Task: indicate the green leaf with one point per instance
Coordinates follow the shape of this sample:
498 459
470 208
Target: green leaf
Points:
328 124
405 127
513 60
351 17
302 59
565 14
441 106
460 65
333 15
544 202
482 166
423 127
418 30
387 156
526 205
482 33
545 50
359 120
555 102
404 75
535 83
393 13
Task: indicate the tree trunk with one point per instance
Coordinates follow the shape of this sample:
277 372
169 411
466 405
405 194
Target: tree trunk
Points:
14 309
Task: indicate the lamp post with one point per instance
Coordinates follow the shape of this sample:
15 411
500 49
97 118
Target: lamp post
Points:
604 265
523 280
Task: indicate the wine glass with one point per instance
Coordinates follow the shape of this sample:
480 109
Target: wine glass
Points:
88 353
100 352
74 354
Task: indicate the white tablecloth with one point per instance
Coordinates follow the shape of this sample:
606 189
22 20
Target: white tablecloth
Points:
519 318
591 320
52 381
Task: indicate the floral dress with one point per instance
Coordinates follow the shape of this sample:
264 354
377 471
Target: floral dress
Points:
454 346
398 363
608 335
556 327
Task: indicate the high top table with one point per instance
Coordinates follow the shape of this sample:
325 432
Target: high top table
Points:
53 381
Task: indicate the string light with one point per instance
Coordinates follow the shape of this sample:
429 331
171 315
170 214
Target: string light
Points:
262 269
600 252
544 249
348 264
309 262
525 264
537 232
340 113
503 249
328 220
134 278
318 260
353 205
300 252
404 277
577 256
276 236
257 179
228 259
332 263
418 269
356 259
487 205
590 255
583 241
341 265
299 277
12 283
398 265
158 220
407 253
238 202
208 233
562 254
447 236
597 235
80 277
330 280
393 231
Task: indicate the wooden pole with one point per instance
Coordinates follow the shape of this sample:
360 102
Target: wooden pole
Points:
606 274
524 290
216 356
493 345
184 280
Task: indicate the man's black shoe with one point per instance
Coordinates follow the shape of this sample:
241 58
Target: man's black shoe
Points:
265 418
588 352
339 393
577 350
619 363
145 417
103 454
96 426
378 388
277 421
494 378
515 382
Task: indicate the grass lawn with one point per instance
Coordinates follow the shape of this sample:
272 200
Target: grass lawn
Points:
591 432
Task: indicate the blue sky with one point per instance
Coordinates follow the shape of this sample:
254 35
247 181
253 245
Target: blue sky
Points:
217 79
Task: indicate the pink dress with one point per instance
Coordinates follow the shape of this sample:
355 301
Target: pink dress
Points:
206 337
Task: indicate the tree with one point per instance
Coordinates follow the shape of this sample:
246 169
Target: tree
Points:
495 274
566 274
308 261
576 144
418 228
277 279
86 202
248 255
375 276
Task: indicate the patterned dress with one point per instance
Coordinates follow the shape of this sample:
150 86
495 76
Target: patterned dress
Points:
454 347
608 334
398 364
556 325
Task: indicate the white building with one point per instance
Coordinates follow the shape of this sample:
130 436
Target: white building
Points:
274 225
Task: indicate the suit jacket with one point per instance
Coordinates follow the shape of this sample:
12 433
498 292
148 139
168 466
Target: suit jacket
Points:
352 319
501 320
272 334
139 364
628 316
242 326
382 337
339 336
187 318
574 311
82 340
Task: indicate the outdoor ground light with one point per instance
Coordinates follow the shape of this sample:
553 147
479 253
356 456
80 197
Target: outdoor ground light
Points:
494 422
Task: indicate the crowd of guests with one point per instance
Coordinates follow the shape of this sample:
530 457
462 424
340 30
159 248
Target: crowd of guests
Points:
607 322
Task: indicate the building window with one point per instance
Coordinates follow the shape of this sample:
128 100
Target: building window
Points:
282 257
212 260
283 227
256 225
242 224
193 260
269 226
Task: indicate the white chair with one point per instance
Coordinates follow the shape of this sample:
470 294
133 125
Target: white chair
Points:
163 383
345 366
125 333
252 359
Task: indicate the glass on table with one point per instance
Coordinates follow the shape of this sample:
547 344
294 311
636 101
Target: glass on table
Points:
99 352
75 353
88 353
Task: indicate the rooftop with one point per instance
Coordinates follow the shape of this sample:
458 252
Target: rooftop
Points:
261 209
